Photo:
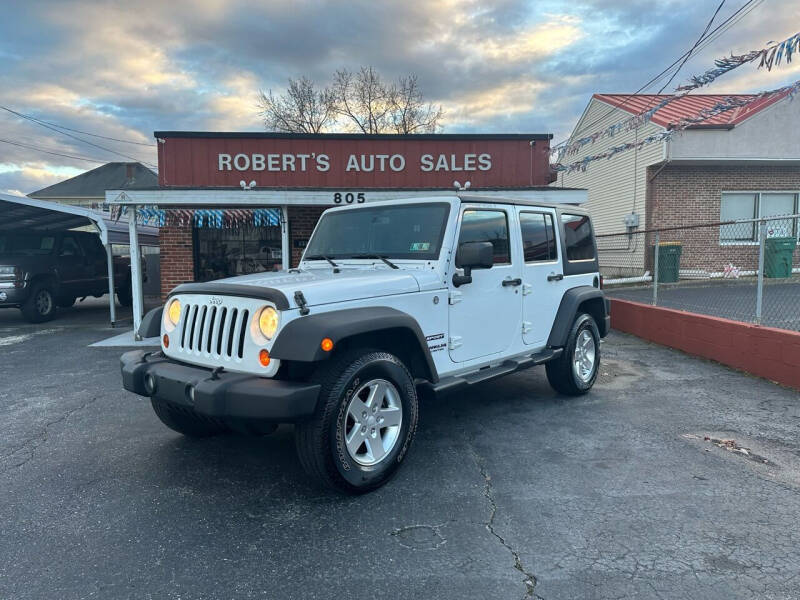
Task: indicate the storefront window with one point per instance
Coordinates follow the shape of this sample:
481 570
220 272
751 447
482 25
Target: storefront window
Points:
235 251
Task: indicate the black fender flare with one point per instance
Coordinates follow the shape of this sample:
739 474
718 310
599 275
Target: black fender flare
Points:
151 323
568 308
300 339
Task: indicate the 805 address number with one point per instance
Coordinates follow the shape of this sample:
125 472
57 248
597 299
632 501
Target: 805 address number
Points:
349 198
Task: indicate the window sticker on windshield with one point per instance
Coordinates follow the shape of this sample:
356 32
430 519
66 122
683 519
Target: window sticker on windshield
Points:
420 246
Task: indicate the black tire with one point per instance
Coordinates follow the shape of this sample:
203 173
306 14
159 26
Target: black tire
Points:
41 304
561 372
66 301
320 441
125 296
185 420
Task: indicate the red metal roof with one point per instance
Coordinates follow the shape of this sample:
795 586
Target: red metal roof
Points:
688 106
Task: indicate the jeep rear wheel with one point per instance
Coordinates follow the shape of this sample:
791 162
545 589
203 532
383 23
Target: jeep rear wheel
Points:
364 424
41 304
575 371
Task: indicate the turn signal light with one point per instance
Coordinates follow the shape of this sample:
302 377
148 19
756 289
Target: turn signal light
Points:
326 344
263 358
166 341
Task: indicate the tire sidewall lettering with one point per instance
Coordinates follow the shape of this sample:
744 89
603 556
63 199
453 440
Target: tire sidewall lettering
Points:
353 473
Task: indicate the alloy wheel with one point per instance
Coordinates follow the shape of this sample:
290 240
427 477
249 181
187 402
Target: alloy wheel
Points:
372 423
583 361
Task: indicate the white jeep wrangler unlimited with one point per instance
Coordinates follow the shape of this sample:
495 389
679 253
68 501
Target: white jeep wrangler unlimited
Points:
390 301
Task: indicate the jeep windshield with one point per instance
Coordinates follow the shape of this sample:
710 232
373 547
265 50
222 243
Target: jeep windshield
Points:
27 244
410 231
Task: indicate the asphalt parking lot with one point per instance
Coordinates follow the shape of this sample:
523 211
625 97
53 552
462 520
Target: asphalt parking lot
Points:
509 491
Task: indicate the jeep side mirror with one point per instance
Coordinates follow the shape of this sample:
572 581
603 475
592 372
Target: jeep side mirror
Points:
472 255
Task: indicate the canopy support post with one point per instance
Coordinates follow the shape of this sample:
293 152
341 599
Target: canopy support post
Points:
136 272
112 306
285 252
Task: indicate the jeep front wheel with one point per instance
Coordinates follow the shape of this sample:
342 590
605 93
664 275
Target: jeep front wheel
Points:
575 371
364 424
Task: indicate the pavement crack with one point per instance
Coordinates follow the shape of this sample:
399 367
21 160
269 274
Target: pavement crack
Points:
32 443
529 579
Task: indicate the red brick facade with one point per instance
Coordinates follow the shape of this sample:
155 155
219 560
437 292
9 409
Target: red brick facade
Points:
177 257
678 196
302 220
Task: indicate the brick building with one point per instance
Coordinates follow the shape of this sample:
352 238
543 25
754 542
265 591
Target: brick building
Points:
235 203
740 164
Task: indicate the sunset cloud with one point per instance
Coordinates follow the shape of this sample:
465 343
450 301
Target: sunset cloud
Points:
123 70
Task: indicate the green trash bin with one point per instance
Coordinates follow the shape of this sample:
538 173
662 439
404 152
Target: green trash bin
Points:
778 256
669 261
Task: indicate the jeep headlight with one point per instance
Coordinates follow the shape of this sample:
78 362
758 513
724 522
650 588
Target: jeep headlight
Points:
268 322
172 315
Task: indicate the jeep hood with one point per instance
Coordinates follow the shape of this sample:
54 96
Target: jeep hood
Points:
323 286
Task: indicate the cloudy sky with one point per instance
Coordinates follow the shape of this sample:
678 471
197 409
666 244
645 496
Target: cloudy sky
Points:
125 69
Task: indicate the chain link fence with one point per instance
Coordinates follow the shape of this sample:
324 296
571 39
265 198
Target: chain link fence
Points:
745 270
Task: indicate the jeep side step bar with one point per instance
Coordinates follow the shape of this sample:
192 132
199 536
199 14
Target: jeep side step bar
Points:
448 384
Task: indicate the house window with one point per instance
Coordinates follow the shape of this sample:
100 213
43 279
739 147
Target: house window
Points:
750 205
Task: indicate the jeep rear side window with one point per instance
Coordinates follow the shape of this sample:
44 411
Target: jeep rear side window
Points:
487 226
538 236
578 237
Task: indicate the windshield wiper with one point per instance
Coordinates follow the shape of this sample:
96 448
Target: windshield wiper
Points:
383 258
323 257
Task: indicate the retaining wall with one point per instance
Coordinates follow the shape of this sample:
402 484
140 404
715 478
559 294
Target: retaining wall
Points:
763 351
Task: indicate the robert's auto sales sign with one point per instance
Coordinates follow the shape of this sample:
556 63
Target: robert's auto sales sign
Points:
195 159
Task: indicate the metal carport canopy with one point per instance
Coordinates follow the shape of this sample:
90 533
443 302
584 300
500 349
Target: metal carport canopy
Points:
20 212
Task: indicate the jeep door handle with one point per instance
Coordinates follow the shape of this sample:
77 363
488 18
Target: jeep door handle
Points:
555 277
513 282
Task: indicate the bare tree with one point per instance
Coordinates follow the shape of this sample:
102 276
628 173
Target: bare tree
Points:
302 108
410 113
359 101
363 99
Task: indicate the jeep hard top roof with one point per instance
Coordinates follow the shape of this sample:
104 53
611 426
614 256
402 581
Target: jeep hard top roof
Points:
470 199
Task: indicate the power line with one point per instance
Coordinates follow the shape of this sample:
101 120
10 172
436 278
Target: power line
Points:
38 149
75 137
692 49
715 33
104 137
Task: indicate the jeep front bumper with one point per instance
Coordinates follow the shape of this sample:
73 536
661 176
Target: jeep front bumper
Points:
224 395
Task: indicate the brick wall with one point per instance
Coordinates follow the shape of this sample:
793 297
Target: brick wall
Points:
687 195
177 257
763 351
302 220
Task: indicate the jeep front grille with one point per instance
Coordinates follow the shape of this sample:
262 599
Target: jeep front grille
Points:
218 331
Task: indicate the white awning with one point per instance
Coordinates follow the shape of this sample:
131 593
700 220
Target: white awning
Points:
165 197
21 212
